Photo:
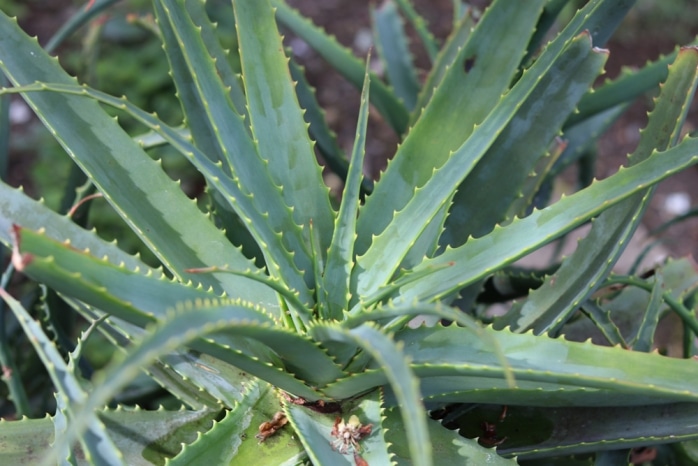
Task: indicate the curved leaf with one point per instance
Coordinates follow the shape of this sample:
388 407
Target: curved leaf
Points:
151 204
389 356
277 121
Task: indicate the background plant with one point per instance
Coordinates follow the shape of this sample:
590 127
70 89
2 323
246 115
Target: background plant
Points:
324 332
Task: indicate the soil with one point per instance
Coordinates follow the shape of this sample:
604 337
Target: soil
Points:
349 21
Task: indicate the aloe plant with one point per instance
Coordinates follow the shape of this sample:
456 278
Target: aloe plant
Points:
318 356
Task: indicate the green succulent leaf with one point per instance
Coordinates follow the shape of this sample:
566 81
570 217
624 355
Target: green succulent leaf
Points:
150 203
470 88
340 257
520 147
392 44
444 60
389 248
548 372
322 436
573 430
629 85
220 133
277 122
223 442
97 444
397 372
417 21
550 305
346 63
152 436
450 448
487 254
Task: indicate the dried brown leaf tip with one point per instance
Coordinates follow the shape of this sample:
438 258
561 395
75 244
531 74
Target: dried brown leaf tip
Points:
348 434
269 428
359 461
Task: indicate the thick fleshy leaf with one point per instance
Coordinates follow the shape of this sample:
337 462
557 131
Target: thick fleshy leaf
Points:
346 63
98 446
509 117
151 204
232 438
480 257
221 136
152 436
276 120
393 48
451 449
550 305
340 257
323 447
471 88
389 357
536 432
444 60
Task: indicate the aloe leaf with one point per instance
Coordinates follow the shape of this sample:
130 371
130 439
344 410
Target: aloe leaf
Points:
319 130
97 443
340 257
398 316
277 121
60 425
222 442
518 149
125 292
4 131
140 191
601 318
223 137
391 42
282 448
262 226
623 89
315 432
152 436
181 327
390 358
580 137
471 88
547 372
143 300
550 305
207 380
628 306
387 250
644 340
216 124
482 256
536 180
417 21
573 430
453 449
398 183
196 379
547 19
445 59
229 77
17 208
345 63
564 372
